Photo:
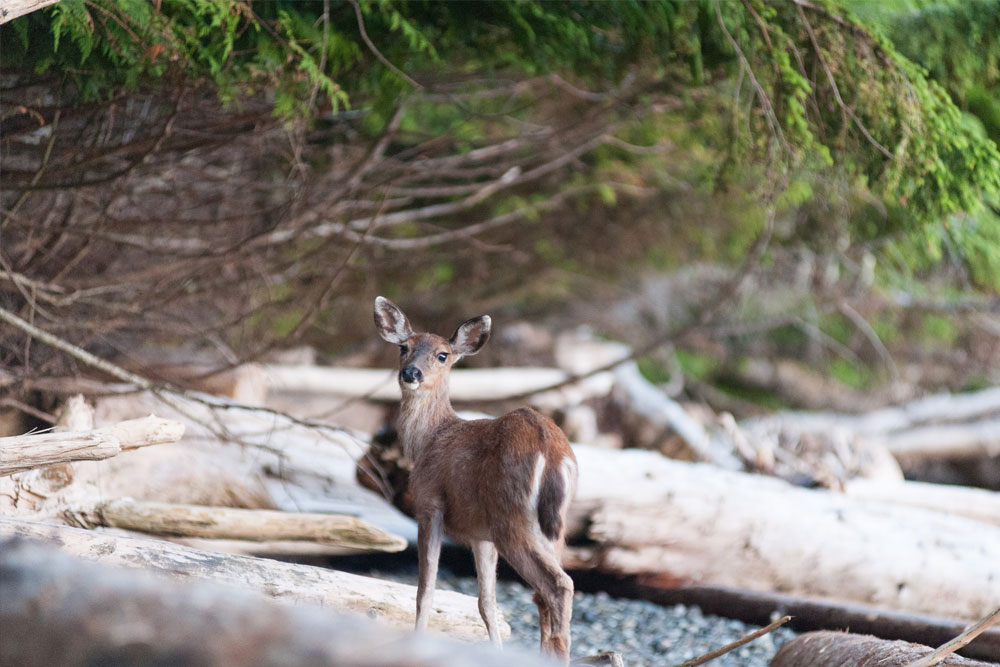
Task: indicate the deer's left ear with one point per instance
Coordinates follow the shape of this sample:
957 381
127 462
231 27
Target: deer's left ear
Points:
471 335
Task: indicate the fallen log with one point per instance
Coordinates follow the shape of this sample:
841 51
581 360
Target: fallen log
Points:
643 513
15 8
467 385
968 502
945 441
237 524
639 398
57 611
942 426
836 649
808 614
394 604
24 452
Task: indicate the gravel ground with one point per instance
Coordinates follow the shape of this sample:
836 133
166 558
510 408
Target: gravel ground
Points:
646 634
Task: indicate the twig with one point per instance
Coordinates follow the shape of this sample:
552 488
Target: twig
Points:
746 639
765 101
836 91
168 394
470 231
958 642
862 324
378 54
9 215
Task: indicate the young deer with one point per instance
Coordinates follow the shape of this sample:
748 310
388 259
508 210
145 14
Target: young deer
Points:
496 485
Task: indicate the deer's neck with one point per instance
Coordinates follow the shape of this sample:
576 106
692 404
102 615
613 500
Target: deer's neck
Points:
422 414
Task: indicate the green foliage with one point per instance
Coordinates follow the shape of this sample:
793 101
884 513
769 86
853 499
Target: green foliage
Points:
938 329
653 370
698 365
775 92
849 373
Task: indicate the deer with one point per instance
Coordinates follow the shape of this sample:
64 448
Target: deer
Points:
499 486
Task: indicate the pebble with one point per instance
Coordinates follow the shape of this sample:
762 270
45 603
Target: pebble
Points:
645 633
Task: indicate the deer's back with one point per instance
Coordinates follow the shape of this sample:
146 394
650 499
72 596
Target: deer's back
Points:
487 474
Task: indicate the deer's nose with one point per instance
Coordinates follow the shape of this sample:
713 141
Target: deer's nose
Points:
411 374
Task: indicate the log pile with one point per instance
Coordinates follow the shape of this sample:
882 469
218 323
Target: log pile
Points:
248 480
134 495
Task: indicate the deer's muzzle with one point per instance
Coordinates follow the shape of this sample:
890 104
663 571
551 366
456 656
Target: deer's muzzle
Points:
411 375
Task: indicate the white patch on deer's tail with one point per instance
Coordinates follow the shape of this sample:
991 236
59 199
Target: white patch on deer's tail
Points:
536 484
569 474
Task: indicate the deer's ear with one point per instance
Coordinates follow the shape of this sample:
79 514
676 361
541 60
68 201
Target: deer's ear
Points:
390 321
471 335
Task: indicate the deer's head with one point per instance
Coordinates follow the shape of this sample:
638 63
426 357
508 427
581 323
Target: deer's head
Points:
425 359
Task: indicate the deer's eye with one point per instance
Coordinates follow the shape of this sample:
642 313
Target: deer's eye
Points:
442 357
403 349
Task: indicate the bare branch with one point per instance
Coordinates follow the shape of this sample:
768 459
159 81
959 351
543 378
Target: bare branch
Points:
378 54
939 654
836 91
746 639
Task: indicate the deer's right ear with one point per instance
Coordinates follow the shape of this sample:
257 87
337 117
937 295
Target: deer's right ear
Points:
390 321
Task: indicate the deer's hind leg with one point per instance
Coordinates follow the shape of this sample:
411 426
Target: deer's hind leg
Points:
537 564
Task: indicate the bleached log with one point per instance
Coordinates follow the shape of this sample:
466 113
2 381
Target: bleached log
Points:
835 649
238 524
635 394
11 9
293 549
58 611
946 441
962 501
697 524
394 604
493 384
935 427
24 452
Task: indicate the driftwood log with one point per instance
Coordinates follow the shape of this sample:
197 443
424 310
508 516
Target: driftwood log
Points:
942 426
24 452
454 614
57 611
645 513
837 649
467 385
11 9
237 524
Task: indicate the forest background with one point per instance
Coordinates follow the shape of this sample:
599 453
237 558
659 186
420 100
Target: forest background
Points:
777 203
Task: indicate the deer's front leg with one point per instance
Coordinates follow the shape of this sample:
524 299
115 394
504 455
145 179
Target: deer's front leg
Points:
485 553
428 551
